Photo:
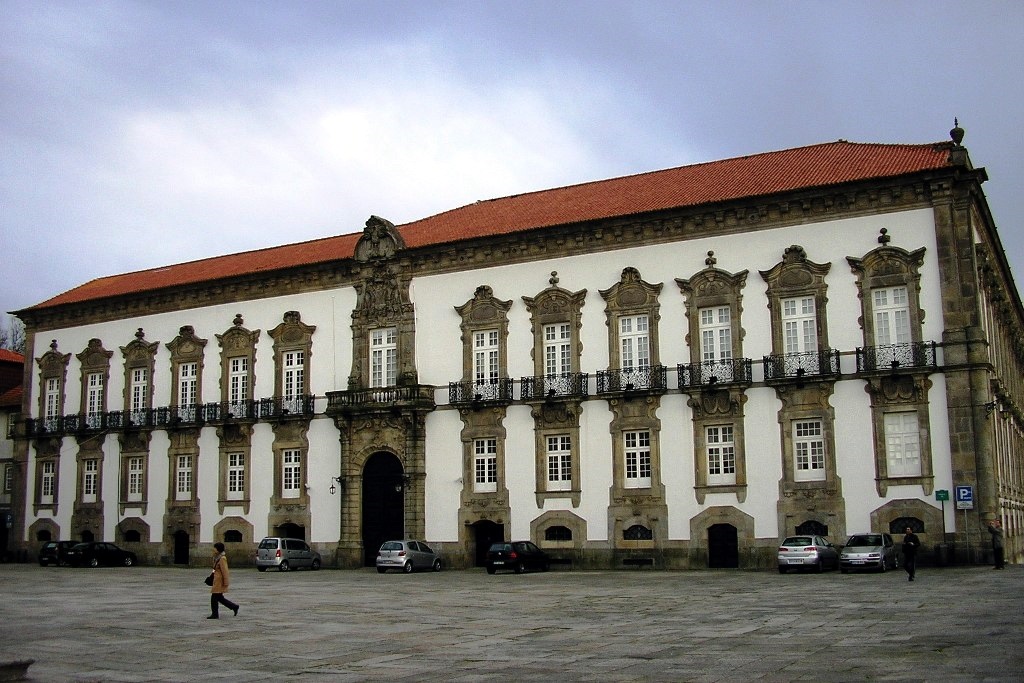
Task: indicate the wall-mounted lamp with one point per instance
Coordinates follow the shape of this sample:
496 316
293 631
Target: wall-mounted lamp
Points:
404 483
341 482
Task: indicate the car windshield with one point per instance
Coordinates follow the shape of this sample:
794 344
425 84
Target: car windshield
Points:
268 543
391 545
798 540
501 547
866 539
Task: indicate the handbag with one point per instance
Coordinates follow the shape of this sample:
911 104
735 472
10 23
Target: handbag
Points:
208 580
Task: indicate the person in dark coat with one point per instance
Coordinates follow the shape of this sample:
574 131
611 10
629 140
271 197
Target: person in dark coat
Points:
221 582
911 543
995 528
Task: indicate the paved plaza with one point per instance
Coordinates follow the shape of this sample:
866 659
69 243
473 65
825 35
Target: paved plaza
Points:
149 624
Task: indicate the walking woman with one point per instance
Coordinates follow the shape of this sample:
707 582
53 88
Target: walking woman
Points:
221 581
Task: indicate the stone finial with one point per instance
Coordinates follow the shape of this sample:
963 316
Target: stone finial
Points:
237 322
957 133
883 236
553 280
710 261
53 345
139 334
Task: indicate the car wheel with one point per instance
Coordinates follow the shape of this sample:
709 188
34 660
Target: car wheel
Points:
881 566
128 561
94 562
283 567
818 567
381 570
407 567
315 566
261 569
520 568
437 565
844 570
491 570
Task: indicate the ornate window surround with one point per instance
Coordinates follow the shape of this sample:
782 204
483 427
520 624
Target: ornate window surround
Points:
94 359
631 296
138 354
237 342
292 335
794 276
186 348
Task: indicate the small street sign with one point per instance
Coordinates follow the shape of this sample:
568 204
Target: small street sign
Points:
964 497
942 494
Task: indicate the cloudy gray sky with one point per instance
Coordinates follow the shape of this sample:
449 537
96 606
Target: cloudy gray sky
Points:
139 134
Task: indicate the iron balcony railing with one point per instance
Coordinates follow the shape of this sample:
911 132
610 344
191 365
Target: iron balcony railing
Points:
568 385
229 410
497 390
278 407
651 378
896 356
179 416
715 372
824 363
413 396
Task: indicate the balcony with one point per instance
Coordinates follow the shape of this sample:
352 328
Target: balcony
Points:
715 373
550 387
179 416
647 380
226 411
397 398
822 364
894 357
280 408
480 392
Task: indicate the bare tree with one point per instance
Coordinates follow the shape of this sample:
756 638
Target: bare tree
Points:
12 335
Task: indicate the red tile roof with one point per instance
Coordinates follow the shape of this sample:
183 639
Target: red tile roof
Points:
8 356
11 398
765 174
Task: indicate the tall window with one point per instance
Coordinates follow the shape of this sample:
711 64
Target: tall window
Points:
188 386
715 334
634 342
291 473
293 374
90 480
384 357
485 465
638 459
236 476
903 444
808 450
139 394
238 384
891 307
94 400
559 451
136 478
799 325
557 349
183 478
485 356
48 482
52 402
721 448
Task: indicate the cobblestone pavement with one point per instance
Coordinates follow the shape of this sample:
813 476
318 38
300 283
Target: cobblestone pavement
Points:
149 624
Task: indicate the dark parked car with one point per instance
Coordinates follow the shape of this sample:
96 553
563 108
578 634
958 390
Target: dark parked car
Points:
518 556
95 553
55 552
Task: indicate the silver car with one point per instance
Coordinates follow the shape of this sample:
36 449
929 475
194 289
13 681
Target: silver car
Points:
807 552
284 554
869 551
408 556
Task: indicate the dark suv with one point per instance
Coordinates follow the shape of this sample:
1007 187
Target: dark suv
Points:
517 556
55 552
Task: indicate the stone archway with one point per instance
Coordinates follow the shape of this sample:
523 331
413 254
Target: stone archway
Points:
383 503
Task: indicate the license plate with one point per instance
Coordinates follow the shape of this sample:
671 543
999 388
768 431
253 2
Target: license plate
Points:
858 562
795 561
498 562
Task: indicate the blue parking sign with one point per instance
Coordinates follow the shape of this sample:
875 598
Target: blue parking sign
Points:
964 497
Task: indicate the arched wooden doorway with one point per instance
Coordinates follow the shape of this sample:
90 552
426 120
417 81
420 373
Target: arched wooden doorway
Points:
383 510
484 534
723 547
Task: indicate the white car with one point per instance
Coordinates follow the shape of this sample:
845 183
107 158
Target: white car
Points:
407 556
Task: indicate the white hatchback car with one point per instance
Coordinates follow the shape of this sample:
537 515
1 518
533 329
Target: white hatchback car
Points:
407 556
284 554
